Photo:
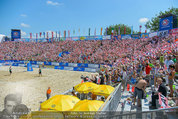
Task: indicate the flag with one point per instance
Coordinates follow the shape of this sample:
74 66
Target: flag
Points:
59 34
95 32
131 29
125 30
44 34
52 34
36 35
64 33
106 30
68 33
56 34
47 35
89 31
119 31
40 34
30 35
101 31
79 31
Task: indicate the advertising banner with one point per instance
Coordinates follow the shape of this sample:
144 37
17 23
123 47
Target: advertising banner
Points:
135 36
166 23
79 69
153 34
82 65
164 33
15 34
145 35
125 36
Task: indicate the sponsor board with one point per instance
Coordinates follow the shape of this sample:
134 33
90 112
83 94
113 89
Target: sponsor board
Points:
39 63
59 67
166 23
68 68
72 64
63 64
78 69
153 34
164 33
22 65
93 65
47 63
82 65
90 70
55 63
35 66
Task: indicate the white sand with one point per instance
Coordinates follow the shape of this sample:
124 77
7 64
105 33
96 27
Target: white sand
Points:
32 87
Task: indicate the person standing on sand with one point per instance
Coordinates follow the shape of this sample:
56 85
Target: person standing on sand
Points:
48 93
10 70
40 73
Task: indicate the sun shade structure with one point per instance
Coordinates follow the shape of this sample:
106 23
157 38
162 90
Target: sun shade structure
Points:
85 87
60 103
104 90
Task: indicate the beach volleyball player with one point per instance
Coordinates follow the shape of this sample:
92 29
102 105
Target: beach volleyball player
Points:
10 70
40 73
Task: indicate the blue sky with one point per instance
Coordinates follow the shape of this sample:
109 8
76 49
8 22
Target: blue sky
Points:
34 16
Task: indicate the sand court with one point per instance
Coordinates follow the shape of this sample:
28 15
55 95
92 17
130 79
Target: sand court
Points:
32 87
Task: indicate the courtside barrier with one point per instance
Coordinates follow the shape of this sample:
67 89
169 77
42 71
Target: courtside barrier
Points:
82 65
55 63
61 66
78 69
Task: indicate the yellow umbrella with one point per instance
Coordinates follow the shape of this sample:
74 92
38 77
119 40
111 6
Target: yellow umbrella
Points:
88 105
104 90
85 87
60 103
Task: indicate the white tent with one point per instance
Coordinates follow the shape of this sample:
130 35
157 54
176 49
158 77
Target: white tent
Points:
2 37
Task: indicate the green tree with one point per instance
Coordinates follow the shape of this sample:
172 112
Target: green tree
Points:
153 24
116 29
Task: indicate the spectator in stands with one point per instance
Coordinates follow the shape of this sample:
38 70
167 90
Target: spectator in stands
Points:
147 70
102 79
156 74
171 79
124 78
139 91
161 89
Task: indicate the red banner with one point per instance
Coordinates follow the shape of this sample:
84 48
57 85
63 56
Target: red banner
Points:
40 34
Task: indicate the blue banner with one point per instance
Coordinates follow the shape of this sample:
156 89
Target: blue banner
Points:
59 67
47 63
33 62
15 64
15 34
82 65
166 23
63 64
79 69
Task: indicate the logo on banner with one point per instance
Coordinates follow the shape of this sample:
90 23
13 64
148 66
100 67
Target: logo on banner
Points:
15 33
165 22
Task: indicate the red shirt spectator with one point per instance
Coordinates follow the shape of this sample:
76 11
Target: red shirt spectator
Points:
148 69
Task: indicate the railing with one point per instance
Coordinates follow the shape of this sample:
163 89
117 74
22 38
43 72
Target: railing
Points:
112 101
168 113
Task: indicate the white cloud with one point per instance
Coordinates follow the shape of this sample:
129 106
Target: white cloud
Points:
143 20
53 3
23 15
25 25
23 33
